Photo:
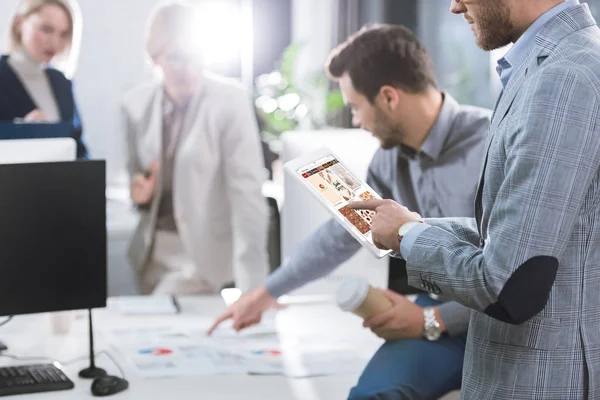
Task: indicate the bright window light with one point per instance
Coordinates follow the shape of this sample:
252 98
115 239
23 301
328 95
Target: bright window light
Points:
219 31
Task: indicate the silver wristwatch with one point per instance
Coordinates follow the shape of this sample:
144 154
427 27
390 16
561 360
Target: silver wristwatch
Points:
433 329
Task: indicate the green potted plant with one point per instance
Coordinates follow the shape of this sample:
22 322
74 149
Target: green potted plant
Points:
285 102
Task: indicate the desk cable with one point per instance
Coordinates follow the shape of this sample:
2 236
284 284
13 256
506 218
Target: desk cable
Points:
65 363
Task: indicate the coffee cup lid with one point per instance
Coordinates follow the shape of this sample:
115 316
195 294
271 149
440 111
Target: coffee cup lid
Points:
352 292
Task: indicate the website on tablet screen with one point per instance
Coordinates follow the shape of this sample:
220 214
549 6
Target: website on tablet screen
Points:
339 187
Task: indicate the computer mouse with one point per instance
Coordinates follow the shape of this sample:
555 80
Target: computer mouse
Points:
108 385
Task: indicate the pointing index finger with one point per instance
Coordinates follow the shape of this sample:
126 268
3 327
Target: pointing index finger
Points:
366 205
225 316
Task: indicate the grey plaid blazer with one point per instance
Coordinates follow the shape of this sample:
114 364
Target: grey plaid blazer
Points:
529 264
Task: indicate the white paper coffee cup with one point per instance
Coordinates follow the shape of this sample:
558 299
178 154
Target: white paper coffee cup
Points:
356 295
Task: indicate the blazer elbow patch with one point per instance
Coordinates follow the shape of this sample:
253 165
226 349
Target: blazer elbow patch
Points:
526 292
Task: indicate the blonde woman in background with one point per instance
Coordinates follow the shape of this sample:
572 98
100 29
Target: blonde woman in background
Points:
196 170
42 46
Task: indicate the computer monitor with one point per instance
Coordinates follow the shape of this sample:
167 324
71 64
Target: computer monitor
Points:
52 237
302 214
37 150
10 130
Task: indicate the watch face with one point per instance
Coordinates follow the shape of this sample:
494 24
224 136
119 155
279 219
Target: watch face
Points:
433 333
433 329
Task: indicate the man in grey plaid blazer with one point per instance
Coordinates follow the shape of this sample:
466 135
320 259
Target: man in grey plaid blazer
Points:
528 265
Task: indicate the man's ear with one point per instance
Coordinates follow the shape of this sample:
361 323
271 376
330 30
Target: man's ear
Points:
389 97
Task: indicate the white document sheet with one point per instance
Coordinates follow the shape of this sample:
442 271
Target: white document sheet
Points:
169 351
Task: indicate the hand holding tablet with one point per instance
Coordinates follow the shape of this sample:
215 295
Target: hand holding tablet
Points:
334 186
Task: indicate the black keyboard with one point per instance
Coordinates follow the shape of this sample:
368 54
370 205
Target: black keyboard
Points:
25 379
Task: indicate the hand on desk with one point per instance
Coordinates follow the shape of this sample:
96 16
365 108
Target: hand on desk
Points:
143 185
405 320
389 217
248 310
36 115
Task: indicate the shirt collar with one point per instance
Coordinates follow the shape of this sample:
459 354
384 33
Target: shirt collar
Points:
516 55
25 63
170 106
432 147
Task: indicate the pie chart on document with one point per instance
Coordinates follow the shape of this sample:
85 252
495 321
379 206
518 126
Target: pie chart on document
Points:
156 351
266 352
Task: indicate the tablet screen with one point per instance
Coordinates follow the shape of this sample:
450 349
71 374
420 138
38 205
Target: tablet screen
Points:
338 186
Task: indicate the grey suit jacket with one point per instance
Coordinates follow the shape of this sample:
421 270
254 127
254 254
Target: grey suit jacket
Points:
529 264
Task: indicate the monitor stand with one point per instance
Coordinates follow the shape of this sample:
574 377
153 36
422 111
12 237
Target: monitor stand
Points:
3 347
92 371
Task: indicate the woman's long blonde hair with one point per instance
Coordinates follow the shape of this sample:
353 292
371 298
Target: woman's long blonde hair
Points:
65 61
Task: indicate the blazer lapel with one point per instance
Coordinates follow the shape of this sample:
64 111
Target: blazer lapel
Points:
503 105
153 145
153 139
191 114
62 95
565 23
21 101
510 92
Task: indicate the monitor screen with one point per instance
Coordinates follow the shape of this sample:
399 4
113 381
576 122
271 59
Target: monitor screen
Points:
52 237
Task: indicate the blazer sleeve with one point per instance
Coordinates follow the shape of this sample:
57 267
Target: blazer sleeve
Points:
128 133
464 229
551 159
244 174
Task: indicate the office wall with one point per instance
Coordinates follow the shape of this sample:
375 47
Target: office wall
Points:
312 22
311 25
272 32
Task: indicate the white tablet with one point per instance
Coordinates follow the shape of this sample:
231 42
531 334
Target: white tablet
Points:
334 186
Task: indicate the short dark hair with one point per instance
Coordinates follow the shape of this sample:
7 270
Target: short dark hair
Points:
380 55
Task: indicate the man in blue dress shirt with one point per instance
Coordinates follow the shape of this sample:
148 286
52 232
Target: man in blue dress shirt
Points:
430 155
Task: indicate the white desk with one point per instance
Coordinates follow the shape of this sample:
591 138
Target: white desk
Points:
29 336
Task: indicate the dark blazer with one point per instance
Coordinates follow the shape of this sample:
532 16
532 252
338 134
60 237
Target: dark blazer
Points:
15 102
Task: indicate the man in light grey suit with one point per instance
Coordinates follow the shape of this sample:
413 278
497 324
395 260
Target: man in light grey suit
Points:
529 263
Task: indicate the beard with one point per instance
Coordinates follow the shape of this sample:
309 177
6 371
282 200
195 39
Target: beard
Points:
389 134
493 26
